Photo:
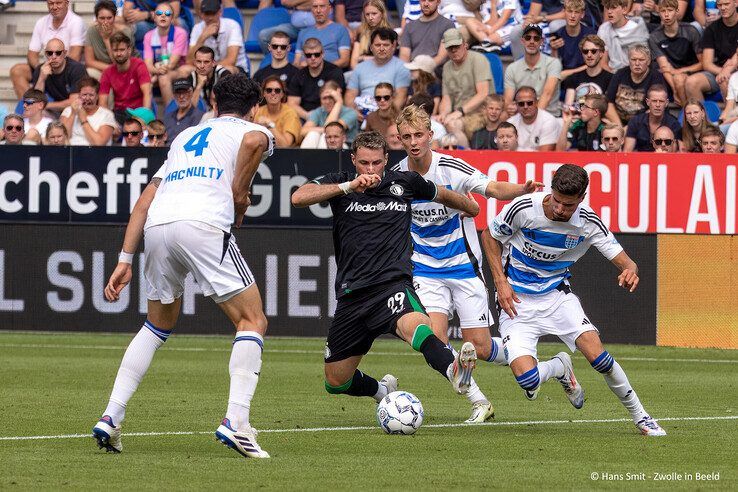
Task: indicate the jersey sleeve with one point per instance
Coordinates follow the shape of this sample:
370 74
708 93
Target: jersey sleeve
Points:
330 178
503 226
420 187
161 172
476 183
599 235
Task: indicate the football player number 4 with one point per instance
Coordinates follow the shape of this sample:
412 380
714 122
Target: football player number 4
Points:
396 303
199 142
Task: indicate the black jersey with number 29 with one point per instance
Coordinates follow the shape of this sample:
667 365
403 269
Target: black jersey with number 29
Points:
371 230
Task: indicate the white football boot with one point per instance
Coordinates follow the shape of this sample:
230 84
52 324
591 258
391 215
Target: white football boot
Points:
649 427
107 435
481 412
242 440
464 364
571 386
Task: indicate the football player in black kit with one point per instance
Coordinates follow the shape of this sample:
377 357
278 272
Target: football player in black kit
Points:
371 236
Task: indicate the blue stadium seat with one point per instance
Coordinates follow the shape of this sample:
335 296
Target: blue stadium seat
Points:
497 72
714 97
252 4
268 58
264 18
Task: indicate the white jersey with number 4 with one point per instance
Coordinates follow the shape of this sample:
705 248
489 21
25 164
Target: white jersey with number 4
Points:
538 251
444 244
197 176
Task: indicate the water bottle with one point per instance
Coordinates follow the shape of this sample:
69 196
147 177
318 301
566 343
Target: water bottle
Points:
165 59
711 8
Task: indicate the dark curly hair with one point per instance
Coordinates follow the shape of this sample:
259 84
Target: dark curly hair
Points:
236 94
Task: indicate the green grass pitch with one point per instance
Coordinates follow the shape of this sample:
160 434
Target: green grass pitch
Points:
57 385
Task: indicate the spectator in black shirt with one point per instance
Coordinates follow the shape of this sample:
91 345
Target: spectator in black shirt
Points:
565 42
304 88
663 140
593 79
582 128
642 126
371 235
484 138
613 138
279 47
205 75
677 49
58 77
718 47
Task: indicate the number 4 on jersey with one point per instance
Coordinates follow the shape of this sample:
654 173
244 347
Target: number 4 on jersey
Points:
198 142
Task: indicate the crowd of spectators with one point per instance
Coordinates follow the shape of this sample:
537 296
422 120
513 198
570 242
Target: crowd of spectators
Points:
581 75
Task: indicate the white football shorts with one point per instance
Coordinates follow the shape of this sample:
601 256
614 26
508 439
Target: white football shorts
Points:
552 313
210 254
468 296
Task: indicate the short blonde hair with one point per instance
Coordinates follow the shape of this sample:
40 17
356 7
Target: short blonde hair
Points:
615 126
414 116
575 5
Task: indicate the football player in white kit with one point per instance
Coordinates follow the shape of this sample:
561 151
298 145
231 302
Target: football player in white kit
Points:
187 211
537 238
446 253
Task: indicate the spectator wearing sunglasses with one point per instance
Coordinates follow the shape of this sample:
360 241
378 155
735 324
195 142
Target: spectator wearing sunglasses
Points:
35 119
537 129
334 36
276 115
61 23
279 47
613 138
185 114
139 14
386 113
12 132
663 140
87 122
58 77
303 90
132 133
593 79
542 72
157 134
165 51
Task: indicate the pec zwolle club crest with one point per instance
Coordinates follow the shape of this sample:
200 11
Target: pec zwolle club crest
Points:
571 241
397 190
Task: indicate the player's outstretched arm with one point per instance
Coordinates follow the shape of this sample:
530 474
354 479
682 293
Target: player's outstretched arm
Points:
122 274
455 200
253 146
628 278
506 297
508 191
311 193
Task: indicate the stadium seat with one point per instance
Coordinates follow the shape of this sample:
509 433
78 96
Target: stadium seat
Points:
268 58
497 72
252 4
263 19
714 97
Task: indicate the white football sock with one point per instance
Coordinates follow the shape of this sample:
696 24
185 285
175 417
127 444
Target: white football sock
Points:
133 367
552 368
619 384
244 367
497 353
474 394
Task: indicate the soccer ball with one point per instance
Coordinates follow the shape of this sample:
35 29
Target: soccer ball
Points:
400 412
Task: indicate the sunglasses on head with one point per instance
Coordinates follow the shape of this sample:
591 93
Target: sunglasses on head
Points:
382 98
313 55
280 46
593 51
51 53
134 133
532 37
28 102
524 104
17 128
273 90
663 141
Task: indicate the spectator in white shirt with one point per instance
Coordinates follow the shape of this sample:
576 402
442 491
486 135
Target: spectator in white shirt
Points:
221 34
537 129
87 122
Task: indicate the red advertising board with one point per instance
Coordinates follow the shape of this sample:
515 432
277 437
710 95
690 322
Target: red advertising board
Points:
631 192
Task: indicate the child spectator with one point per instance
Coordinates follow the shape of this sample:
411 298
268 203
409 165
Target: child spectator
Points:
619 33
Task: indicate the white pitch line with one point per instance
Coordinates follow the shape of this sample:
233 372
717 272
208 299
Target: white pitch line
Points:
363 428
308 352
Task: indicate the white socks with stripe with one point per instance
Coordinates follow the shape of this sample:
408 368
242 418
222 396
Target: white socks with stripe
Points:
552 368
244 368
619 384
133 367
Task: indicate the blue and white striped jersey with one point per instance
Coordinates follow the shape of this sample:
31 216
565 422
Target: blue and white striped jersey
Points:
411 11
444 244
515 18
537 252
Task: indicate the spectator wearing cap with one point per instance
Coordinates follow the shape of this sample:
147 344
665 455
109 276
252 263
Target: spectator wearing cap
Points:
641 126
467 81
165 51
132 133
127 81
281 119
334 37
139 14
12 132
484 138
223 35
386 113
620 32
424 36
301 16
86 121
542 72
335 136
303 90
186 114
384 67
205 75
331 109
423 79
35 118
279 47
537 129
58 77
62 24
97 41
157 134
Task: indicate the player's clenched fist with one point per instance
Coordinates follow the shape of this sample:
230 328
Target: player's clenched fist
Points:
364 181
